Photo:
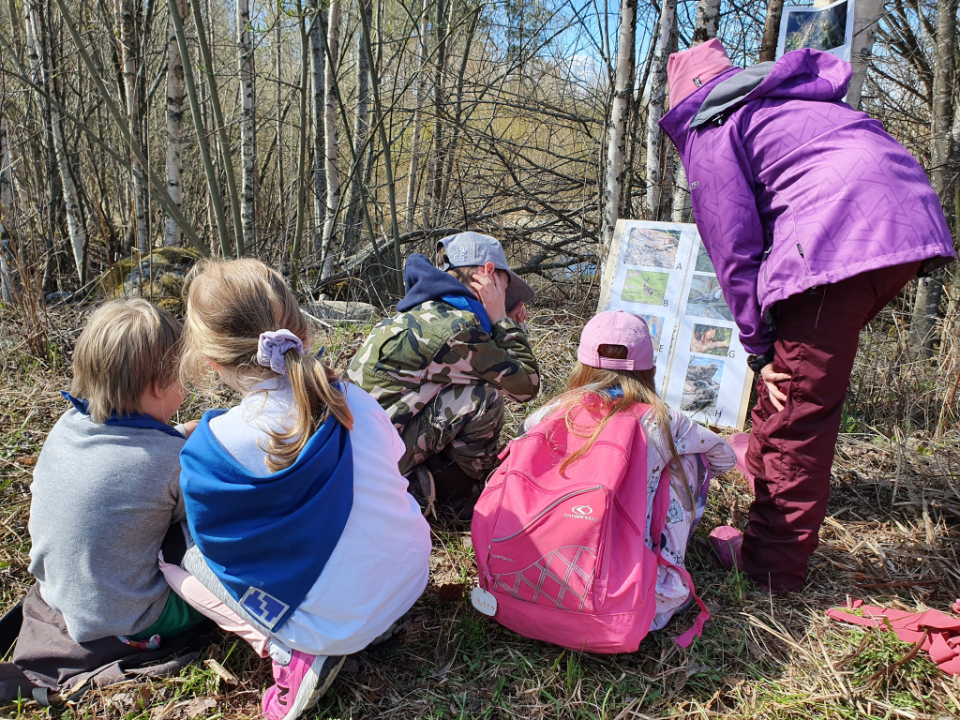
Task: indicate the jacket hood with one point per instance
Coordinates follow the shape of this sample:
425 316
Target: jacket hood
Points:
425 282
805 74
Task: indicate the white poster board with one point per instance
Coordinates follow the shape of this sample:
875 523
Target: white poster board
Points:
828 28
661 272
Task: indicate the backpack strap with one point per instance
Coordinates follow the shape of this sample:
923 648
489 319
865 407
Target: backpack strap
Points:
696 630
661 501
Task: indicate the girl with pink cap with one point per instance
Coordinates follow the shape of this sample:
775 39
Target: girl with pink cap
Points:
615 369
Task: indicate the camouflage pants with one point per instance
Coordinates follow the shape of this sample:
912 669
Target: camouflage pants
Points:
463 422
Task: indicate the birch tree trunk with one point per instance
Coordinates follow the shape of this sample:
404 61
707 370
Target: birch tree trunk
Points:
130 48
707 24
861 48
420 90
330 137
171 235
47 79
318 69
619 111
707 21
658 85
930 289
353 222
771 30
248 126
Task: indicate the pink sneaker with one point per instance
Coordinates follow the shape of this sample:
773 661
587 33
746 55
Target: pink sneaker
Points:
726 542
299 684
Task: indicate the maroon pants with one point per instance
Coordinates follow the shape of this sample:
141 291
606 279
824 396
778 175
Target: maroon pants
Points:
791 451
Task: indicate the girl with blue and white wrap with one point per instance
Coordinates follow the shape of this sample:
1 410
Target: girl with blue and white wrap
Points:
306 542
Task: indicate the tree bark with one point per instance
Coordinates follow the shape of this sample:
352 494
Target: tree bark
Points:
930 290
864 30
707 24
361 127
221 128
47 79
619 110
771 31
318 69
130 48
172 234
420 92
330 137
435 168
707 21
248 126
658 84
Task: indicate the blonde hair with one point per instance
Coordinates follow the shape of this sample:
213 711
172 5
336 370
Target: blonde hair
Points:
638 386
229 304
125 346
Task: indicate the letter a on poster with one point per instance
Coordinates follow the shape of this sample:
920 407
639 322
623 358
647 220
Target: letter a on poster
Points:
662 273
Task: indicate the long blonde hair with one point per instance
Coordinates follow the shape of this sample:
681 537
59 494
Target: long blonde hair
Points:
228 305
638 386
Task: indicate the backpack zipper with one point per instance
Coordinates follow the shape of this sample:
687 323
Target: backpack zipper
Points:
547 509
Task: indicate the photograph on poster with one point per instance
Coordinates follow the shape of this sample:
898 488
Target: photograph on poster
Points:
706 299
711 340
650 247
655 324
701 386
646 287
697 350
704 264
829 29
824 29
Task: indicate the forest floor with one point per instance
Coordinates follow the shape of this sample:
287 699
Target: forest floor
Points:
891 537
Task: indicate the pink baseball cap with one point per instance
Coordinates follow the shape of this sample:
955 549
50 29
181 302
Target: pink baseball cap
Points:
688 70
616 327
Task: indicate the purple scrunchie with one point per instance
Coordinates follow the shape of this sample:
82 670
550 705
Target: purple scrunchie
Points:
273 345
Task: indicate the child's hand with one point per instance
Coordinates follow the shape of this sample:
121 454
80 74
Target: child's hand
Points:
491 291
519 313
189 427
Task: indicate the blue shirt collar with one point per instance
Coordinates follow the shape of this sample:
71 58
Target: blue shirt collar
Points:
137 420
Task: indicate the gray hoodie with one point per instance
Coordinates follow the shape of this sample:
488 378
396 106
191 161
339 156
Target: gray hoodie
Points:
104 496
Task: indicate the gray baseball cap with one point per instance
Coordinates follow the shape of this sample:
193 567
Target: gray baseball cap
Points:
471 248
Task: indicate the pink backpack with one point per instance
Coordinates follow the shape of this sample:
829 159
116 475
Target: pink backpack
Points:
564 558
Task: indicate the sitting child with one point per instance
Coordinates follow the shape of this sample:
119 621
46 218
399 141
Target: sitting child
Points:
105 493
616 366
307 542
442 366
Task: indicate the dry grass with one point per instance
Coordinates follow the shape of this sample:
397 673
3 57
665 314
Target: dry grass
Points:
890 538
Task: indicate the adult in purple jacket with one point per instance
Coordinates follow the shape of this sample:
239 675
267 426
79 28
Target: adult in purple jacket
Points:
814 218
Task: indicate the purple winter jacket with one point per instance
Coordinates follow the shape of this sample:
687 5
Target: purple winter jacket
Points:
792 188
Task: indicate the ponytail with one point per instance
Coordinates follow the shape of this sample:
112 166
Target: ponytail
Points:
316 397
229 306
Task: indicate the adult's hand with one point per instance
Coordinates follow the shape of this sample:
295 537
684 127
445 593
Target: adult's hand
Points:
491 291
519 313
770 379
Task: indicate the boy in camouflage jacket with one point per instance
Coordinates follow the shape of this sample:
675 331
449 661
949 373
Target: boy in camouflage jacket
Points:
441 367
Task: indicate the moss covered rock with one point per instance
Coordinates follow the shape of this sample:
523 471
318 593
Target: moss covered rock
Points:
158 277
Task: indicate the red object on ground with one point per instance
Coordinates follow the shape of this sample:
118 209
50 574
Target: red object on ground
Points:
739 443
939 632
790 452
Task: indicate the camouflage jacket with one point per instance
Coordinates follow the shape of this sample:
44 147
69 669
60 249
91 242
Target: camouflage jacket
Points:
411 357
